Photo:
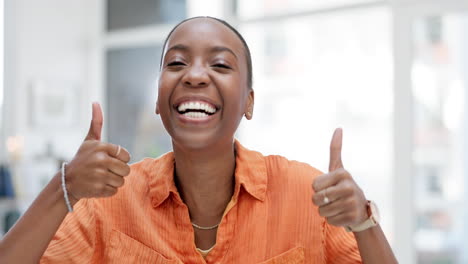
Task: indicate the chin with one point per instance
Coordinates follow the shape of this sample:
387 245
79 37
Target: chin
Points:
199 141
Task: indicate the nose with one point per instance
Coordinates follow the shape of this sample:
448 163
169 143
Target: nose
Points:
196 76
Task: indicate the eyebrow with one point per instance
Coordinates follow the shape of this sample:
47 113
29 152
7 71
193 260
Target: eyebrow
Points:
215 49
222 49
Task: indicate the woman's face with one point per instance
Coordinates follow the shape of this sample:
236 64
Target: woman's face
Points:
203 90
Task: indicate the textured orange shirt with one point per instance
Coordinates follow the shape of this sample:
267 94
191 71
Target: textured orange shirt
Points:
270 219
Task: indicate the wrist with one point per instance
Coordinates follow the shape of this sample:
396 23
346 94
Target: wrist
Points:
64 186
372 220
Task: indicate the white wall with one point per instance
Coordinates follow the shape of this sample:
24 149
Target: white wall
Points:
56 42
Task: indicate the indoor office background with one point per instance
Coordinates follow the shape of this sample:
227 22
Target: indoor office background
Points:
393 74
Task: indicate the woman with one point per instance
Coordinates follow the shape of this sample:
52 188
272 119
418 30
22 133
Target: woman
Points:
210 200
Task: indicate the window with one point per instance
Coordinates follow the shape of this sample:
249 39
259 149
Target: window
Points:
439 89
131 96
249 9
123 14
312 74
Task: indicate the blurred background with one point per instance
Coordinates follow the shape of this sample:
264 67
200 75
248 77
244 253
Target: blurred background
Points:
393 74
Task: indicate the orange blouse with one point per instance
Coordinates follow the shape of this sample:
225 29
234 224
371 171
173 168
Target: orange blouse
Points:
270 219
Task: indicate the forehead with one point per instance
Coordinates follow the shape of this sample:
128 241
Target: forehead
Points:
205 32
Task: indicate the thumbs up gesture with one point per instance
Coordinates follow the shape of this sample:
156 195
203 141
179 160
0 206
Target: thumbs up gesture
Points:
338 197
98 168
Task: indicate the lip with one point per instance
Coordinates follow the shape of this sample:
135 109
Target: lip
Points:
195 121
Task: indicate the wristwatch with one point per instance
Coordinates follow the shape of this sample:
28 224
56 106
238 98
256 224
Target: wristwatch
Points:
373 220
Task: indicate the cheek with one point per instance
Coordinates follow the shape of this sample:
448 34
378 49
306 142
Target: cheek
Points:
235 97
164 90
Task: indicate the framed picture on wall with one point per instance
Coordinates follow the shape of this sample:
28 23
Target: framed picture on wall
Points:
53 103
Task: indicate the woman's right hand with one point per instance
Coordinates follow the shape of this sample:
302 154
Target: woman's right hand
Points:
98 168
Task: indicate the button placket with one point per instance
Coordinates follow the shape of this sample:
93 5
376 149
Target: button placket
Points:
183 224
225 234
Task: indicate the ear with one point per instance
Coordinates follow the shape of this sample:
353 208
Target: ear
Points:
157 108
249 106
157 95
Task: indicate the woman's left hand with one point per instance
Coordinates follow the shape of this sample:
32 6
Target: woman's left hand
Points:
339 198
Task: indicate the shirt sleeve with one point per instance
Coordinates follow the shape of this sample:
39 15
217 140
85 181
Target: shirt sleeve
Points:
340 246
75 239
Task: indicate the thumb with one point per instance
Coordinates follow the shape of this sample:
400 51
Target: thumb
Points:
95 128
335 150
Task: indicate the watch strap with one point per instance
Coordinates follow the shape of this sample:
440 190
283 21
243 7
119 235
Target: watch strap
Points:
372 221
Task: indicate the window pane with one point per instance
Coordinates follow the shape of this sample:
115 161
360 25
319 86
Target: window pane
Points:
122 14
439 76
314 74
250 9
131 96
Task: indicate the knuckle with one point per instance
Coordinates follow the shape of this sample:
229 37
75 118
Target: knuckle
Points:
111 192
108 194
318 182
343 173
98 187
120 182
320 211
86 144
91 142
100 157
100 173
348 188
101 145
127 170
127 155
315 185
315 199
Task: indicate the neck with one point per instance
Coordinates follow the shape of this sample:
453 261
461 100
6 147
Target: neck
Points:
205 180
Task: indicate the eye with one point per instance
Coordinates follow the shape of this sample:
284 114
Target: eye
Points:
221 65
175 63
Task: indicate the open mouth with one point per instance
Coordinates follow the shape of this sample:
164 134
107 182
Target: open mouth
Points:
196 109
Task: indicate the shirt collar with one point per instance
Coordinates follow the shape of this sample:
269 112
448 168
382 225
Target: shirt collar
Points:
250 173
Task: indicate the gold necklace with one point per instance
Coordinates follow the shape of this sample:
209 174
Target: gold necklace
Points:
205 227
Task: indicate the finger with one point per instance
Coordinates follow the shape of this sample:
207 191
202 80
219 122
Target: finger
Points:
95 129
335 150
109 191
118 152
114 180
339 219
328 179
331 209
343 189
331 193
119 167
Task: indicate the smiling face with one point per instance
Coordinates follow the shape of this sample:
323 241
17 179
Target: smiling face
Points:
203 91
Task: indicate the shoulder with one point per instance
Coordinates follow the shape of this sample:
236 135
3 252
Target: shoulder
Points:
289 198
145 170
147 164
283 169
143 175
276 167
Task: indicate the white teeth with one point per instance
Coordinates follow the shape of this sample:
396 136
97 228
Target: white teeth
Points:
196 106
195 114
